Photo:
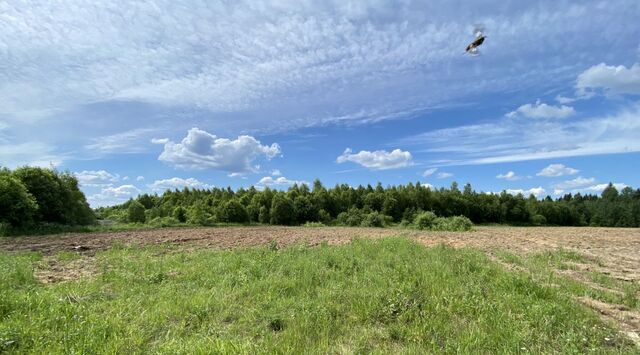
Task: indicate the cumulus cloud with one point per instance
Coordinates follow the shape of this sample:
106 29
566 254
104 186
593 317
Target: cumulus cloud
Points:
575 183
555 170
377 160
597 189
279 181
96 178
535 191
201 150
558 192
444 175
178 183
614 79
508 176
113 195
140 178
276 172
542 110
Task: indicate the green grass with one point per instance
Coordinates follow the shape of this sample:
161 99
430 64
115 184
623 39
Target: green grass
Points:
386 296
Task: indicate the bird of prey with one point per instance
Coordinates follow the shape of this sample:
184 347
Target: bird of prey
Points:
472 48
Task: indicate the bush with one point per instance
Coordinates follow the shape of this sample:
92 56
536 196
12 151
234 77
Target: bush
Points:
424 220
135 212
180 214
313 224
263 216
538 220
197 215
233 211
453 224
351 218
17 205
164 222
375 219
282 210
324 217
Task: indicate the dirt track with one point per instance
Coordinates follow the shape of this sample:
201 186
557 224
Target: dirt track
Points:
617 248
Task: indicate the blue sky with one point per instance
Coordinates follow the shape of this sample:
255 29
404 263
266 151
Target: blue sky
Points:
140 97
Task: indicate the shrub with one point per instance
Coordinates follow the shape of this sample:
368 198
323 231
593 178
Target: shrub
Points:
352 218
324 217
375 219
313 224
17 205
263 216
164 222
538 220
135 212
180 214
197 215
424 220
454 224
232 211
282 210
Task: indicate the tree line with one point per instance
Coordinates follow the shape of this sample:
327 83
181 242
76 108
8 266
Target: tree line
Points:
377 206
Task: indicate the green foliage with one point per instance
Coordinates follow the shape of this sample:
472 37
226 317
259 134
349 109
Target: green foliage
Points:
387 296
282 210
424 220
57 195
197 214
453 224
135 212
180 213
538 220
375 219
162 222
350 206
233 212
17 205
313 224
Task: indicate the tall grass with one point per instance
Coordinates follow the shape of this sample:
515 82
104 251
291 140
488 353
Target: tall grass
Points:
385 296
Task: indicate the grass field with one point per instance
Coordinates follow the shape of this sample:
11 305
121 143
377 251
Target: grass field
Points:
389 295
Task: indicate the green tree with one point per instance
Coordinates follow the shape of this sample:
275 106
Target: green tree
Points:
282 210
180 214
45 186
17 205
135 212
233 211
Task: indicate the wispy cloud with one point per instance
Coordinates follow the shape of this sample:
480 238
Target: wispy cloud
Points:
520 140
132 141
557 170
511 176
542 110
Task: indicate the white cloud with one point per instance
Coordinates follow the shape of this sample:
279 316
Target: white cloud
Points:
275 172
113 195
178 183
377 160
558 192
536 191
564 100
444 175
429 172
140 178
615 79
280 181
30 153
597 189
131 141
201 150
274 54
542 110
96 178
575 183
509 140
557 170
511 176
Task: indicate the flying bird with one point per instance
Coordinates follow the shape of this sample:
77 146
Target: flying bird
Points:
472 48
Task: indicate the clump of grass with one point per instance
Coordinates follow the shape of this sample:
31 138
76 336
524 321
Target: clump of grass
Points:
388 296
314 224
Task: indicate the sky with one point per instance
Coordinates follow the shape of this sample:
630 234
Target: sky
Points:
138 97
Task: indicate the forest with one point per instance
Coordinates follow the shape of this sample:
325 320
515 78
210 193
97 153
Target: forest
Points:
32 196
375 206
